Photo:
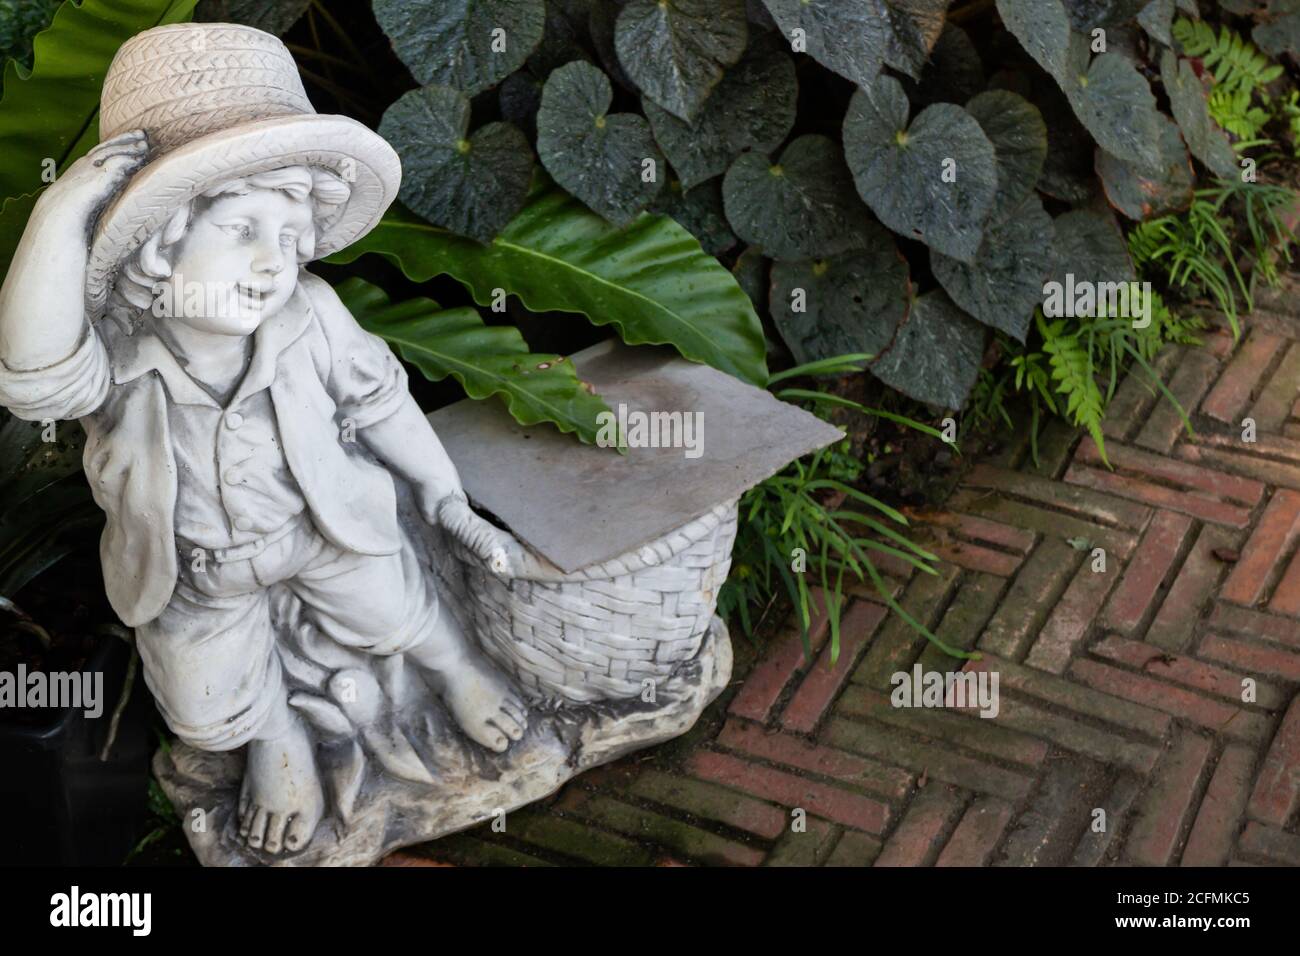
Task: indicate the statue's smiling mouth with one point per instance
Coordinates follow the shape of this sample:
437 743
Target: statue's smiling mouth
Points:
254 297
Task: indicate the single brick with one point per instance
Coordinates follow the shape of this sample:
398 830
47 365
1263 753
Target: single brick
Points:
978 833
1276 530
1217 821
1160 496
1030 599
1186 671
1053 525
1240 620
1167 803
974 557
1264 444
939 763
920 833
576 839
1007 537
1091 505
1255 658
892 783
1174 625
1270 843
823 680
1213 715
832 803
1070 696
1138 587
674 835
762 688
979 734
854 848
810 847
1243 491
1244 461
1189 382
1073 616
1274 402
712 802
1231 393
1278 786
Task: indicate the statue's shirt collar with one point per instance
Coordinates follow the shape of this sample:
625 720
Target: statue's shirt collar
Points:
134 355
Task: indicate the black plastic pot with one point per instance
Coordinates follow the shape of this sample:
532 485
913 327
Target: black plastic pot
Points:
59 803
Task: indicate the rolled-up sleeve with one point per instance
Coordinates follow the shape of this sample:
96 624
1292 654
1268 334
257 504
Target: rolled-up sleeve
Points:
367 382
70 388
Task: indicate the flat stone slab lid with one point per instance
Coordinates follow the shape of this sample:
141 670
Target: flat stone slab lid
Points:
577 504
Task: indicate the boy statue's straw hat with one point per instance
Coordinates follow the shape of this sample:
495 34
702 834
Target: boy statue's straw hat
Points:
220 101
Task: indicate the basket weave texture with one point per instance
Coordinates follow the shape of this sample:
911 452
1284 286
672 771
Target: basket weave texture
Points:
599 632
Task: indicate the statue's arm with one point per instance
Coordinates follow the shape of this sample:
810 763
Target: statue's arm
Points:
42 301
370 387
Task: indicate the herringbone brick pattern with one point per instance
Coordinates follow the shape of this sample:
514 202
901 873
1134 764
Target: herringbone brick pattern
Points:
1160 688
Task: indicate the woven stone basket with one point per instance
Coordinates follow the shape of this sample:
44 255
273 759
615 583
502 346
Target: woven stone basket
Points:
599 632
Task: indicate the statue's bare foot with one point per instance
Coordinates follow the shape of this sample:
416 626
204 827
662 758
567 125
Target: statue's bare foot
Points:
485 705
281 801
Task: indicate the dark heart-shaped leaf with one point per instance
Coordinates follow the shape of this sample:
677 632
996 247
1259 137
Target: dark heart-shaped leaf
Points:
936 355
1157 18
1090 248
1004 283
472 185
851 303
467 44
847 36
1019 137
1067 170
953 74
1111 98
1042 28
752 108
1138 194
675 50
699 211
1114 103
934 180
273 16
609 161
1207 141
801 207
914 28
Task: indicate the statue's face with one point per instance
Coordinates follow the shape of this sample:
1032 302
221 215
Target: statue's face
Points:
238 263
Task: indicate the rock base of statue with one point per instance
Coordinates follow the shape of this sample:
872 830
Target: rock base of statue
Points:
469 786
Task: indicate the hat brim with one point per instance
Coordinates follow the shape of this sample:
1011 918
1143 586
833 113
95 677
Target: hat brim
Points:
351 150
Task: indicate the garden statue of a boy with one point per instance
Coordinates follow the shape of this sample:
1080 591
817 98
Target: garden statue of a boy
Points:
242 430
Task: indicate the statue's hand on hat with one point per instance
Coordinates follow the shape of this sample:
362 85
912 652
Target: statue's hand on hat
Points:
96 177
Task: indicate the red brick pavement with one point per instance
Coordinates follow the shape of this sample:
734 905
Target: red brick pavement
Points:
1148 707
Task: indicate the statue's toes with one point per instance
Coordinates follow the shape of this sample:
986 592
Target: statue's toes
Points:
508 725
257 829
275 824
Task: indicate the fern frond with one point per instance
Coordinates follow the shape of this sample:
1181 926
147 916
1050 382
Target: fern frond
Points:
1233 61
1072 369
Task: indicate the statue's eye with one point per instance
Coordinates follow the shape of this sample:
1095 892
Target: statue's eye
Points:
240 230
288 240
